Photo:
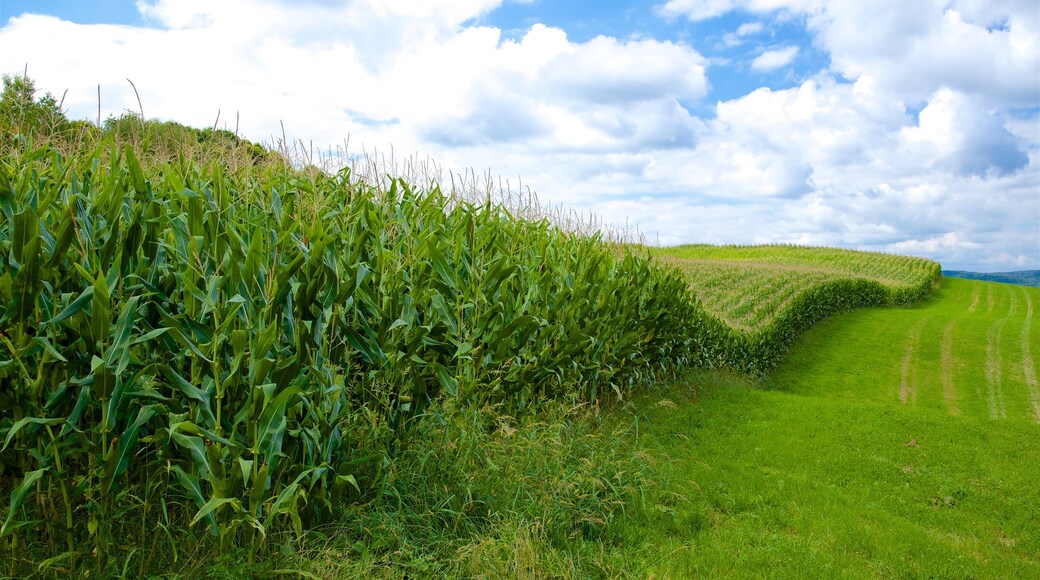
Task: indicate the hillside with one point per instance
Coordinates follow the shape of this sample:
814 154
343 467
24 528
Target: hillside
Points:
1021 277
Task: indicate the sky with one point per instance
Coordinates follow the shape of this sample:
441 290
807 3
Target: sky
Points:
903 127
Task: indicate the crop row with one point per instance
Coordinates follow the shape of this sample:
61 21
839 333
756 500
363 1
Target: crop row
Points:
760 298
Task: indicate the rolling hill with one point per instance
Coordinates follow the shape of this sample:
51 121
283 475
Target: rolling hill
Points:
1022 277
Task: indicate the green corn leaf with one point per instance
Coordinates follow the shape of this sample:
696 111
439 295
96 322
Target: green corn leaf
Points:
196 447
133 166
271 426
447 381
176 330
71 424
18 496
19 424
49 348
345 479
75 307
118 353
246 466
118 463
212 505
256 492
192 392
191 484
100 308
149 336
283 503
440 264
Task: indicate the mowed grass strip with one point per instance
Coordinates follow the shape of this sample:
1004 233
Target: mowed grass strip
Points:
822 470
959 359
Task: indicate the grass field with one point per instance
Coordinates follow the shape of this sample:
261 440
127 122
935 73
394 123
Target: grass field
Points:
893 442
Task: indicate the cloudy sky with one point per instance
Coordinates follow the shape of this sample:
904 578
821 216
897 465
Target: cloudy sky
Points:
908 127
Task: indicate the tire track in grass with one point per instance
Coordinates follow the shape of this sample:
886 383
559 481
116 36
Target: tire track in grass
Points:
975 295
946 369
994 388
1027 358
908 376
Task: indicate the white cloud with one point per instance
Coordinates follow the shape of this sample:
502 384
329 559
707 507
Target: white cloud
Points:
956 135
736 38
986 48
912 140
749 28
698 10
771 60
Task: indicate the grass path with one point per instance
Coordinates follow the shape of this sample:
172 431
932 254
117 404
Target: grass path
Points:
822 472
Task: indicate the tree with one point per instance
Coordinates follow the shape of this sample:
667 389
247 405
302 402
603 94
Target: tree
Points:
22 113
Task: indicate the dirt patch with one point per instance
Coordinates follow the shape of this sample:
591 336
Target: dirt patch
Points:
975 295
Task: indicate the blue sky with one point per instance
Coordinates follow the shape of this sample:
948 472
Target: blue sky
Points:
910 128
581 20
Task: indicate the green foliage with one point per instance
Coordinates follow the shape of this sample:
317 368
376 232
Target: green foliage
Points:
158 142
202 347
23 113
243 352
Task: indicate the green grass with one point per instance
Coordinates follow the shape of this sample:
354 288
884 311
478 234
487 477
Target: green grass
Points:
824 470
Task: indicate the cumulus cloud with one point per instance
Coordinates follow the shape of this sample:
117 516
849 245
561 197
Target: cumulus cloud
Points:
771 60
920 135
989 49
955 135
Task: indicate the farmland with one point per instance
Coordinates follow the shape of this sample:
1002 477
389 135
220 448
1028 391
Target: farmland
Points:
218 361
761 298
750 287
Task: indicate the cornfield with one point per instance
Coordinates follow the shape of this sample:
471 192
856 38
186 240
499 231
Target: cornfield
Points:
238 350
760 298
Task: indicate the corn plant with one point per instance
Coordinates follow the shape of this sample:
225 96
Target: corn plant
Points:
242 349
759 299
